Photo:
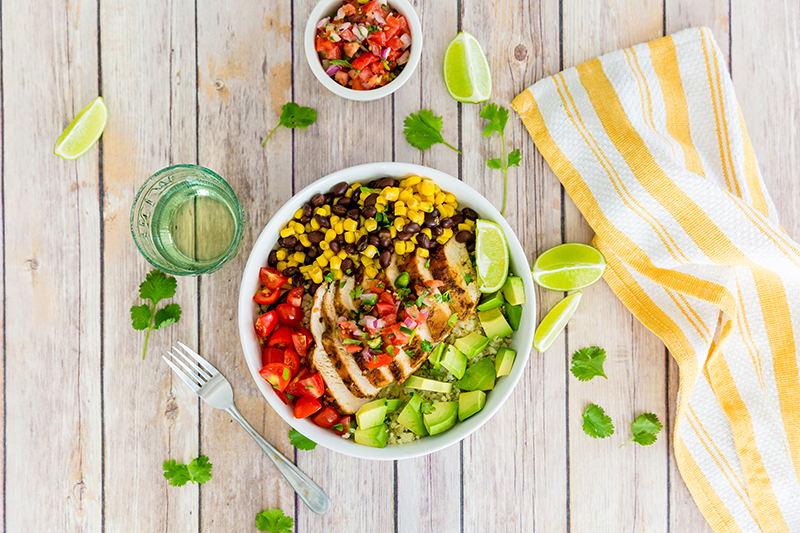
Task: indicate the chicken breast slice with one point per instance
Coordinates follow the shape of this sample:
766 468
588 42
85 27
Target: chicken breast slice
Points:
450 264
438 312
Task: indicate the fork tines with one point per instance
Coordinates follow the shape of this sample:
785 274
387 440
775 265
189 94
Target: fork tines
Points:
197 370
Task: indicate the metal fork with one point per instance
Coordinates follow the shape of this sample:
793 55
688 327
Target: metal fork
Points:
214 389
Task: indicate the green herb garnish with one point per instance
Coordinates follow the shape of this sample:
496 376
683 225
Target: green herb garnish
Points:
645 429
596 423
328 277
294 116
468 279
426 346
274 521
423 130
156 286
588 363
498 117
452 320
179 474
300 441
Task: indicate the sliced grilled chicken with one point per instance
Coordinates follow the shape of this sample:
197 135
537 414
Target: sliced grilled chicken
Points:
438 312
336 392
450 264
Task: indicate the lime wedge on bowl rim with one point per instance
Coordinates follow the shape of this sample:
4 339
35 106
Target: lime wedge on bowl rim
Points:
466 71
83 131
569 267
491 256
554 322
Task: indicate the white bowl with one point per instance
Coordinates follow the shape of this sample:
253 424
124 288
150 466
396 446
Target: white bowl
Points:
248 311
325 8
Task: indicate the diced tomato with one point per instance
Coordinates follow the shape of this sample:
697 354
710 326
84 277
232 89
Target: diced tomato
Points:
403 23
295 297
289 315
345 422
394 43
387 297
348 35
311 386
301 340
384 308
377 67
393 55
271 278
306 407
271 355
433 283
281 338
390 319
379 360
277 375
327 417
334 53
353 348
393 335
374 286
373 5
291 360
266 296
364 60
282 396
291 388
412 312
394 27
378 38
266 323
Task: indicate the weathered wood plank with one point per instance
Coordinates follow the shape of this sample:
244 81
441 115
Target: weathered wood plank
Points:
427 499
150 416
515 466
244 61
346 133
636 360
52 264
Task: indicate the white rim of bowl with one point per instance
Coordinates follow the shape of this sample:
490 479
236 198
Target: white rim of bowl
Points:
321 10
430 444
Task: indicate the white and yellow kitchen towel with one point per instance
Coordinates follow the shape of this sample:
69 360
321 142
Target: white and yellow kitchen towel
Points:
651 145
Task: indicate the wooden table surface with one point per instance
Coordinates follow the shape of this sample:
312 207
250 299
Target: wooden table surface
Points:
87 423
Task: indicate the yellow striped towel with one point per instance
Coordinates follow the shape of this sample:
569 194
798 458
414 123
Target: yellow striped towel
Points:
651 145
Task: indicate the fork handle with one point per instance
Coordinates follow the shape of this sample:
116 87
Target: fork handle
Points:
311 493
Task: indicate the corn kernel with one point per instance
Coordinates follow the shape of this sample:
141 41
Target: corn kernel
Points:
349 238
327 210
299 228
444 237
308 227
314 224
439 198
366 261
380 208
287 232
446 211
412 180
292 263
349 192
449 198
299 213
426 206
350 225
337 274
342 255
282 265
339 227
426 187
304 240
413 238
391 193
405 195
381 200
400 247
323 245
400 209
306 268
399 223
281 254
413 203
427 231
299 257
410 246
371 224
322 261
416 216
328 253
371 272
370 251
464 227
335 262
330 235
392 232
422 252
316 276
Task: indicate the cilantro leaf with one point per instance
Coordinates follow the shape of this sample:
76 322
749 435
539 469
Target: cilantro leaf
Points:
452 320
423 130
300 441
588 363
645 428
294 116
468 279
596 423
274 521
426 345
179 474
426 408
156 286
328 277
340 62
498 118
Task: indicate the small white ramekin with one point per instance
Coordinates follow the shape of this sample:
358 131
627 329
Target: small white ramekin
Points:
325 8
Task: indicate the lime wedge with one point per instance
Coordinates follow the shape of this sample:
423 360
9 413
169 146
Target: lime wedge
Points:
569 267
491 256
466 71
554 322
83 131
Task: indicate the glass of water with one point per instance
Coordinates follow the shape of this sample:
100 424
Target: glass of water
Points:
187 221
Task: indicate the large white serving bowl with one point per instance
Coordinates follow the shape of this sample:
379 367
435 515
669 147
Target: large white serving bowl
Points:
248 311
325 8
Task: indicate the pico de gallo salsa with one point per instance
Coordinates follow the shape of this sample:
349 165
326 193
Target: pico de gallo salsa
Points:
363 45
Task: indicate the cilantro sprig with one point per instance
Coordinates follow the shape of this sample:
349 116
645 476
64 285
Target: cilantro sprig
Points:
156 286
424 129
300 441
588 363
645 428
179 474
274 521
294 116
596 423
498 117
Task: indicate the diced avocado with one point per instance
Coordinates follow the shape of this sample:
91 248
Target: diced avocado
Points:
371 414
472 344
479 376
494 323
514 290
514 316
416 382
442 418
393 405
504 360
454 361
436 355
411 417
490 301
470 403
376 436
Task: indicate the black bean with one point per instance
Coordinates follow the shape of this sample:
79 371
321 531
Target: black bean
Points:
463 236
323 221
340 239
385 258
386 182
344 201
434 213
308 209
313 288
411 227
354 213
386 243
316 237
362 244
318 200
339 189
438 231
350 249
347 266
272 259
290 242
339 210
384 233
308 260
369 211
404 235
371 184
457 219
290 271
431 222
371 199
374 240
446 222
297 280
312 252
424 241
299 247
335 247
471 247
469 213
305 219
328 198
389 216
